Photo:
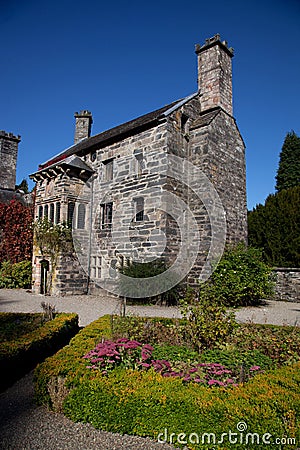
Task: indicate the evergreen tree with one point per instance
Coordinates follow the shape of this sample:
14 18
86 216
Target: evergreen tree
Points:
275 228
288 173
23 186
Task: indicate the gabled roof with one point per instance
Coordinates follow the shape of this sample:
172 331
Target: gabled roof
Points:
118 132
72 162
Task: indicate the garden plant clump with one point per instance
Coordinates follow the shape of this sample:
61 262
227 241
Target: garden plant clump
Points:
130 378
131 354
26 339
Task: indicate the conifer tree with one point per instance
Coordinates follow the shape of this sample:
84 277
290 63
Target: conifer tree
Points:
275 228
288 173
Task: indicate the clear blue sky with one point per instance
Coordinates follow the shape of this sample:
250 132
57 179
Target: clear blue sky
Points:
121 59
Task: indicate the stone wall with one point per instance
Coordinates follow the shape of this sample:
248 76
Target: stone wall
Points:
215 74
218 149
8 160
287 284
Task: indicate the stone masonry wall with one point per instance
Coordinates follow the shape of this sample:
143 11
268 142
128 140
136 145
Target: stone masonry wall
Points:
69 277
287 286
215 76
8 160
218 150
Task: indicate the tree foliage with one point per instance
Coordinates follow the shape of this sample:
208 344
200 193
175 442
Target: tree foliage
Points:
275 228
16 275
23 186
16 232
288 173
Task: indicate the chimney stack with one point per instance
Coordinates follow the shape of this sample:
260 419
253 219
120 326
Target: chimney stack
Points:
83 125
215 74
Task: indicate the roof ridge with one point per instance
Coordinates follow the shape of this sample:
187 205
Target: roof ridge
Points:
118 130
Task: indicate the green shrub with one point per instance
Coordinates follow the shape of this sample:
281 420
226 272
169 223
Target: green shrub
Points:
145 404
156 330
281 344
240 279
15 325
207 324
67 363
235 358
147 270
16 275
21 354
175 353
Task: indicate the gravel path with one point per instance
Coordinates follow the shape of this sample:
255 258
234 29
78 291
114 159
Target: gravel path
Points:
23 425
90 307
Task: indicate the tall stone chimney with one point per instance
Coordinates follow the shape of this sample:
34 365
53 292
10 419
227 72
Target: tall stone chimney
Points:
8 160
215 74
83 125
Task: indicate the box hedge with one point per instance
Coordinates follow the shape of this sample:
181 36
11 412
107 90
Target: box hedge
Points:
20 355
147 404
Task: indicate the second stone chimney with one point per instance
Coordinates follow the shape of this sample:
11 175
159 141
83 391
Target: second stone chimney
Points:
215 74
83 125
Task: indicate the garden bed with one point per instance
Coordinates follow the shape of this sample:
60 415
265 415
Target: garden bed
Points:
26 340
146 402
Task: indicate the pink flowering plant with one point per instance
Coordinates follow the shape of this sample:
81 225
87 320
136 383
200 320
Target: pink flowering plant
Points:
131 354
108 355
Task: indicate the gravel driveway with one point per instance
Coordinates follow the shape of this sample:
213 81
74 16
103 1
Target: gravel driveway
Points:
90 307
24 426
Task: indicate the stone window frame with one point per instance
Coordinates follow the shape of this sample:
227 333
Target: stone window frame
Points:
139 209
70 213
51 212
139 162
106 216
81 216
57 212
46 211
108 169
96 266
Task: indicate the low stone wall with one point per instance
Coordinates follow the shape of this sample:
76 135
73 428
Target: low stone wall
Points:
287 284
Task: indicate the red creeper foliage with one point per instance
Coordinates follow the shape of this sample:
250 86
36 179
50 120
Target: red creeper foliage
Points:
16 232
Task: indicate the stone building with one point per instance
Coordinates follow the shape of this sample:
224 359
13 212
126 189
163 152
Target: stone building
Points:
112 185
9 144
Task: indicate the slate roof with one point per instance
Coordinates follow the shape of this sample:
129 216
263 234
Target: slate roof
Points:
205 118
118 132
